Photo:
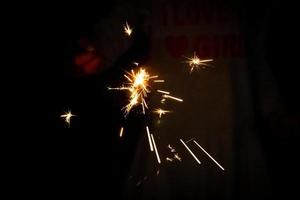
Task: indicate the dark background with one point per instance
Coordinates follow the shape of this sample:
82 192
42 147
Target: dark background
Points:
88 159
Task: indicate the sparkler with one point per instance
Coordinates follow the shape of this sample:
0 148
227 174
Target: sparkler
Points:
190 151
67 117
127 29
208 155
196 62
138 86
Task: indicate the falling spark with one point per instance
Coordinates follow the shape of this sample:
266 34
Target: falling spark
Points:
163 101
157 172
121 131
209 155
149 138
156 152
169 159
162 91
127 29
190 151
159 81
176 156
161 112
196 62
67 117
171 97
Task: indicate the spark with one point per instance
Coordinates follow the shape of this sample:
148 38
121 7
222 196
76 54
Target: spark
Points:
169 159
176 156
118 88
162 91
127 29
209 155
149 138
196 62
161 112
170 147
171 97
67 117
156 152
190 151
121 131
159 81
157 172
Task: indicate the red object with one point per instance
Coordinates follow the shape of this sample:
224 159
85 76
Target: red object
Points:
88 62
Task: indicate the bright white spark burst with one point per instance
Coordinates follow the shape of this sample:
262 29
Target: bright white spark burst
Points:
127 29
138 86
67 117
161 112
196 62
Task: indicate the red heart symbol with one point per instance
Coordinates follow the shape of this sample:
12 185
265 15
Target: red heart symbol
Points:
177 45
